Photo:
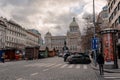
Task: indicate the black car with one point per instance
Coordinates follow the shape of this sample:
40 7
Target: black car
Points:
79 58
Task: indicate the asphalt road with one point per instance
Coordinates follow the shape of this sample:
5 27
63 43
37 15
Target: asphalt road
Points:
47 69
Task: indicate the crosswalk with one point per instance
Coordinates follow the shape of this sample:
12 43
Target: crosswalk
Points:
111 76
54 65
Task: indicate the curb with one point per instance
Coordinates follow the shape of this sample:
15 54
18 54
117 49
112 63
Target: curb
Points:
107 70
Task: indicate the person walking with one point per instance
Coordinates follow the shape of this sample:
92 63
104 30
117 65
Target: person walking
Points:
100 61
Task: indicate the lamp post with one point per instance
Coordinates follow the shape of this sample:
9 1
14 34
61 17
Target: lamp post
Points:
94 30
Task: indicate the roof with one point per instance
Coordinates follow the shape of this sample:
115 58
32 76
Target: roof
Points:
48 33
73 23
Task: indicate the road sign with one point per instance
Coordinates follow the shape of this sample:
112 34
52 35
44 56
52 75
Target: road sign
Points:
95 43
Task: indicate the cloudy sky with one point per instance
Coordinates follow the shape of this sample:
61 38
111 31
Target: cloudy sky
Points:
48 15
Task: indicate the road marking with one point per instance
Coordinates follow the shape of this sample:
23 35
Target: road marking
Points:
56 65
70 66
49 65
52 67
85 66
34 74
19 79
64 66
78 66
112 77
45 69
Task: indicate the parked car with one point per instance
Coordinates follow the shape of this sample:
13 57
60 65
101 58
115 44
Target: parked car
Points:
79 58
41 55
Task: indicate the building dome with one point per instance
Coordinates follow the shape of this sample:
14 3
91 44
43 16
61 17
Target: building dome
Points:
74 27
73 23
48 34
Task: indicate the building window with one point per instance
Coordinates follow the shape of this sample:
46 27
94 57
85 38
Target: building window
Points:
119 6
116 22
114 1
119 19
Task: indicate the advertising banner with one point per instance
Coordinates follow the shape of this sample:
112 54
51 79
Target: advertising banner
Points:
108 49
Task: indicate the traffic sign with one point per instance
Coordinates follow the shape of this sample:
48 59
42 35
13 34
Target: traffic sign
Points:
95 43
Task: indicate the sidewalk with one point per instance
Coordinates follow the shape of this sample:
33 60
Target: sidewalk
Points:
108 70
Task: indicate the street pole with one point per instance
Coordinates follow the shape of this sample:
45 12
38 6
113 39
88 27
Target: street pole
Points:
94 31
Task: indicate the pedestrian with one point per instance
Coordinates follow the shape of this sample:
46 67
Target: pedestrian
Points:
66 55
100 61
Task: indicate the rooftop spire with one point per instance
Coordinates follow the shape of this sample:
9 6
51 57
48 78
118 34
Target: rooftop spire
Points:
73 18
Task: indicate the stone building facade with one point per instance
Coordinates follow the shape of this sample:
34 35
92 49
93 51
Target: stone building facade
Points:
14 36
114 19
114 13
32 39
102 18
2 33
73 39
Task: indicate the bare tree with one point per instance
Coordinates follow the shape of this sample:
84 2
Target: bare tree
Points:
89 32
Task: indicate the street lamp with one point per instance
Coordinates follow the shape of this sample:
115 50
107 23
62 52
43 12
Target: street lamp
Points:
94 30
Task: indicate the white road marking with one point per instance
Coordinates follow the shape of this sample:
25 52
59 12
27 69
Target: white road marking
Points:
34 74
64 66
49 65
52 67
70 66
85 66
77 66
112 77
56 65
19 79
45 69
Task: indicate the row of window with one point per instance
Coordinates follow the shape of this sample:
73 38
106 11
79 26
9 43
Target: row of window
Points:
31 43
9 44
116 22
15 34
114 12
71 48
73 29
15 40
111 5
15 28
32 38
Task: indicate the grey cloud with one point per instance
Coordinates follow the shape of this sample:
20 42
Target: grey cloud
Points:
28 12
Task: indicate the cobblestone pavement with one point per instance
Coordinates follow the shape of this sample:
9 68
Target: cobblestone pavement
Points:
47 69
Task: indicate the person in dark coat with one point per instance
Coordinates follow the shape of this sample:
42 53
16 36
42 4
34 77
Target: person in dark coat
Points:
100 61
65 56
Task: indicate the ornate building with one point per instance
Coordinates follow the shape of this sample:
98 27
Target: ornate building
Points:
73 39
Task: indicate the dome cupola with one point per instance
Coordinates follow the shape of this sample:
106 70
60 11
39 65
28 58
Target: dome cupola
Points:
74 26
73 23
48 34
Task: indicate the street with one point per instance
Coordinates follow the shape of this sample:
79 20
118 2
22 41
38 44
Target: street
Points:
47 69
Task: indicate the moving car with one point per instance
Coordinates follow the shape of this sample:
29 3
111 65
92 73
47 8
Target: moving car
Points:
79 58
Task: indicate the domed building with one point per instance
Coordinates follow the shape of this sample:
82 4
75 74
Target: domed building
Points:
73 39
